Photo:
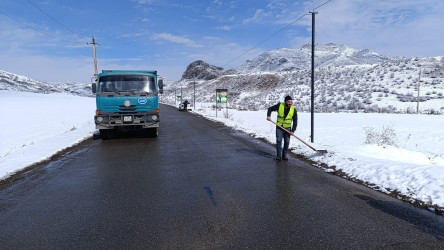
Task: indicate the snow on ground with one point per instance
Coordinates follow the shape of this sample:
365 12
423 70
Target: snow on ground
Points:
36 126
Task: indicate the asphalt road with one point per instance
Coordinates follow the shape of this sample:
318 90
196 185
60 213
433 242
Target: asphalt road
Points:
200 185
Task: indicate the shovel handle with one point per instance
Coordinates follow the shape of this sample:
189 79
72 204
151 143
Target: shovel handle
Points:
294 135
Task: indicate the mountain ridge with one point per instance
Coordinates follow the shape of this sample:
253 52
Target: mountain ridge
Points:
346 79
11 81
284 59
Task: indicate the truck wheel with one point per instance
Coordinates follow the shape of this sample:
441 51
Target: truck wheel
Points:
105 134
152 132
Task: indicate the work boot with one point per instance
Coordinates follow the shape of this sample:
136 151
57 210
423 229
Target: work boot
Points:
284 157
278 158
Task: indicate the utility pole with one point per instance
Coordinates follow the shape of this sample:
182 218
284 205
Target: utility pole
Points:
417 100
95 58
313 13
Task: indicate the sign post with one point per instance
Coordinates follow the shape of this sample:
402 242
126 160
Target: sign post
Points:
221 97
312 72
178 99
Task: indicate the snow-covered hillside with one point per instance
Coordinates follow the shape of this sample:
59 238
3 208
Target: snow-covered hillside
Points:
346 79
10 81
284 59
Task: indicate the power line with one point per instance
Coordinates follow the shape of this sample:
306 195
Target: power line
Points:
263 41
52 18
37 30
322 4
272 35
24 24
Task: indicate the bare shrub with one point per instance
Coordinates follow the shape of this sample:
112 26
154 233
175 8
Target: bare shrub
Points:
227 115
385 137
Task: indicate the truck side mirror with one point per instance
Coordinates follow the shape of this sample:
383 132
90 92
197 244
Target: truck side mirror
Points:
160 82
94 87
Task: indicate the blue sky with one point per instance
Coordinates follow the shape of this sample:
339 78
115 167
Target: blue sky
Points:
46 39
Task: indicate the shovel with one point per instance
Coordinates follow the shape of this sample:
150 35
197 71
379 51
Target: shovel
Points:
322 151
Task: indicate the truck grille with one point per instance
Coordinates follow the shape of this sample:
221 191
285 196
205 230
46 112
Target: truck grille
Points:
127 109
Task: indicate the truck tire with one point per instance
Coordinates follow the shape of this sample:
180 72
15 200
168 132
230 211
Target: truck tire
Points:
152 132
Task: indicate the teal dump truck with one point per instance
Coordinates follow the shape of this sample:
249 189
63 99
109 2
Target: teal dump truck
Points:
127 100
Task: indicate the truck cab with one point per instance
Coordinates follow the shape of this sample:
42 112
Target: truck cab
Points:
127 99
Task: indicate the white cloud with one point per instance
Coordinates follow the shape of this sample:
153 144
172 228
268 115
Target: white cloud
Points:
49 68
395 28
258 16
277 4
212 38
27 52
225 27
176 39
224 53
144 1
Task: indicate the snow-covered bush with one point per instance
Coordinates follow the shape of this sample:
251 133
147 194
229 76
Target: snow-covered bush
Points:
227 114
385 137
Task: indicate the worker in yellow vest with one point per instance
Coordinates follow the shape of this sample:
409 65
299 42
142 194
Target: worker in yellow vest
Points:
286 116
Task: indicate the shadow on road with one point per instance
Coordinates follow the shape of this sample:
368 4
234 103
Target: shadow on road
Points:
406 213
116 134
256 152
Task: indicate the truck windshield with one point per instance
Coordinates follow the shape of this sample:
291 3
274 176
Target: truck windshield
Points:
127 83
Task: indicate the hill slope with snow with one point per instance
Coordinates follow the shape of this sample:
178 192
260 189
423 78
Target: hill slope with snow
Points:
346 79
10 81
284 59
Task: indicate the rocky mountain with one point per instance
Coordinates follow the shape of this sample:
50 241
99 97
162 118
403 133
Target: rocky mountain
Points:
346 79
202 71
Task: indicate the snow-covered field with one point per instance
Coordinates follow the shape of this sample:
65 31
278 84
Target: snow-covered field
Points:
40 125
35 126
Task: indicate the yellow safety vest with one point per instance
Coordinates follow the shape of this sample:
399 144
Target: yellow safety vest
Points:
285 121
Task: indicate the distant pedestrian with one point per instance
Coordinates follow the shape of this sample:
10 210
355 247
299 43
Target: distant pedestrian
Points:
286 115
185 104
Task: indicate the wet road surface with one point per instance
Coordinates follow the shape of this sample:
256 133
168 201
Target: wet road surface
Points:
200 185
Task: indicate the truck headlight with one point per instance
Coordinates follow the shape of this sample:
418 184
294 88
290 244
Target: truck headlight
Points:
154 117
100 119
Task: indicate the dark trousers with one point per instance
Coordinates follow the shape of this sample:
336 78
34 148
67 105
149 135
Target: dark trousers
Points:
280 133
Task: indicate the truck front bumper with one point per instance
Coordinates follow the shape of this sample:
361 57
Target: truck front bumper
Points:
110 121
